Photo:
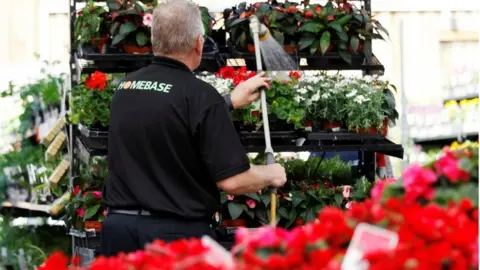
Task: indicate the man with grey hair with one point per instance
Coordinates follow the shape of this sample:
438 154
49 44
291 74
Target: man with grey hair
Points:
172 144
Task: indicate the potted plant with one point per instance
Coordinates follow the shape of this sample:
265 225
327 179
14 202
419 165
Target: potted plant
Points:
91 100
131 25
364 108
90 26
85 211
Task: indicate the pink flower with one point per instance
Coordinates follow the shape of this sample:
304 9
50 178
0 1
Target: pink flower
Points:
80 212
251 203
346 191
230 197
377 190
449 166
348 205
417 182
147 19
105 213
97 194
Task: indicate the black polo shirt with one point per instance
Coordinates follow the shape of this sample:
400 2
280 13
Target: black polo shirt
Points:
170 140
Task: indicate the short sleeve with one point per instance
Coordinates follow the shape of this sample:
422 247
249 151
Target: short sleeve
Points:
219 145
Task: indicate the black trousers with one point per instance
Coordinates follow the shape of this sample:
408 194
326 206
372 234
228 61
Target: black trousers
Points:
129 233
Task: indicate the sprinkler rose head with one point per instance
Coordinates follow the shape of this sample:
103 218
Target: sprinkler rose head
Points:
258 28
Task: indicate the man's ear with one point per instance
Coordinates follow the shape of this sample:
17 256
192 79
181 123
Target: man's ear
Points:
199 46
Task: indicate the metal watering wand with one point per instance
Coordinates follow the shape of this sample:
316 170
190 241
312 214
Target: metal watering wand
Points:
259 33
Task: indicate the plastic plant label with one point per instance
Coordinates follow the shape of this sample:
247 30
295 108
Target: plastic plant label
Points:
217 255
367 238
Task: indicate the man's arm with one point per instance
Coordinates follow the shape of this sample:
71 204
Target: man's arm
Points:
225 158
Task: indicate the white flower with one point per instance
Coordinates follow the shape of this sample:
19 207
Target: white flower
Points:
368 78
316 97
299 98
352 93
360 99
325 95
302 91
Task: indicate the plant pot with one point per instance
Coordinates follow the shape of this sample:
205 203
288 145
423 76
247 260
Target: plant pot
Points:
235 223
137 50
308 125
251 48
99 43
290 48
329 49
93 225
299 222
385 127
332 125
370 130
359 49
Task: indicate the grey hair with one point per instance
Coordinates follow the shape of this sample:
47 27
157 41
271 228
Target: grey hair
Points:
176 26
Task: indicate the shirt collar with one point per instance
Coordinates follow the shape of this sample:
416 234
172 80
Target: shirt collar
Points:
170 62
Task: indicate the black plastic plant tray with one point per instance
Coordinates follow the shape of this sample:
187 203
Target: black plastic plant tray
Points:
327 61
95 139
84 153
277 137
212 60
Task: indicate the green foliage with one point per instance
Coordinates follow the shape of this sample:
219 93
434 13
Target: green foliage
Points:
89 107
36 96
37 242
89 23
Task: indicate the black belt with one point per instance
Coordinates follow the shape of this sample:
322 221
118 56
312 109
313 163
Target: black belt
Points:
143 212
140 212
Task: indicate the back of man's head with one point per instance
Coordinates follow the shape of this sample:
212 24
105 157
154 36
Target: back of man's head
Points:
176 26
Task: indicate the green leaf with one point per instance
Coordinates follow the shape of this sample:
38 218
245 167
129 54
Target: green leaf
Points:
142 39
237 21
346 56
127 28
283 212
253 195
117 39
306 41
113 5
343 36
335 27
381 28
236 209
325 41
311 27
338 199
354 42
278 36
343 20
90 212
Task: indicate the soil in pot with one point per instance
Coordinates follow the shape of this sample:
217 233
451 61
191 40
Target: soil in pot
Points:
137 50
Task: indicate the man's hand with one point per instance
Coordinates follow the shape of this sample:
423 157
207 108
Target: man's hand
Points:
246 92
279 177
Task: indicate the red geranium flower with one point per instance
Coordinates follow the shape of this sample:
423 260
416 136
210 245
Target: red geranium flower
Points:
76 190
97 81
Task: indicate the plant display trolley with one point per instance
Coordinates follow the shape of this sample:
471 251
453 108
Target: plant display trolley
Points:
317 112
